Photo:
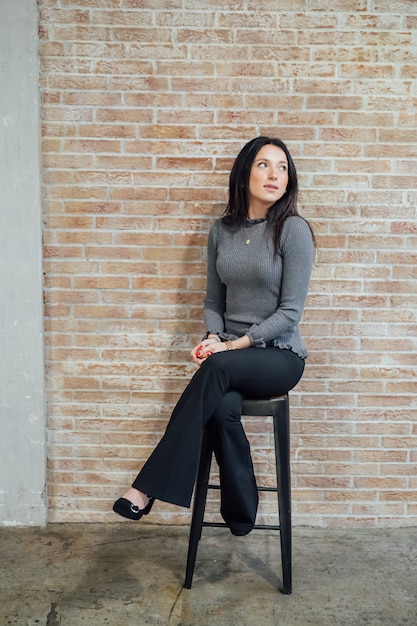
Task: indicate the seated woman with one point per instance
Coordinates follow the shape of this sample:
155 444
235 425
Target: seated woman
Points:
260 256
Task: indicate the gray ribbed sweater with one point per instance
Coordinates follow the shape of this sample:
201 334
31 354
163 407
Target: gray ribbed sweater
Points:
250 291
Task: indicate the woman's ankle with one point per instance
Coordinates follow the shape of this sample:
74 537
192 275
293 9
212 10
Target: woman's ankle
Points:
136 497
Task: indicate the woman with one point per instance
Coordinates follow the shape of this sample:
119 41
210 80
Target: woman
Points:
260 255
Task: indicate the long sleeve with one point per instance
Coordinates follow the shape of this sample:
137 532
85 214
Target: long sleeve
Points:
215 301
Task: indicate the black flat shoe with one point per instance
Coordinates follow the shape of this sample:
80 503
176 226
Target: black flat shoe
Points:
126 508
240 529
240 532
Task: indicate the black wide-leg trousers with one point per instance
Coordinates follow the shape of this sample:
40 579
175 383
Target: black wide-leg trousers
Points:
213 399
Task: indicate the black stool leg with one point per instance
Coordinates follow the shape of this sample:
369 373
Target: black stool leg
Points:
282 456
199 506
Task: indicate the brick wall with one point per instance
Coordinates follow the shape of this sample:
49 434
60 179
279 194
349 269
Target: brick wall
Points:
145 104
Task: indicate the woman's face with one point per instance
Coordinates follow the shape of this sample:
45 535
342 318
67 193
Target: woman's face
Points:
268 179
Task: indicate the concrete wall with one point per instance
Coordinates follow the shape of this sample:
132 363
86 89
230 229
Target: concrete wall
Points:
22 421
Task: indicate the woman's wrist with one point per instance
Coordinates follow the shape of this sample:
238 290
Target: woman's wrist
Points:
238 344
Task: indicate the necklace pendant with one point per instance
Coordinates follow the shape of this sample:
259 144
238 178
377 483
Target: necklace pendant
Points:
247 242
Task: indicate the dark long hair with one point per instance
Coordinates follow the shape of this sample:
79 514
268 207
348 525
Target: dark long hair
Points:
238 204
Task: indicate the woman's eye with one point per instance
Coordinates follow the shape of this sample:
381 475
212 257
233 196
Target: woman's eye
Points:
262 164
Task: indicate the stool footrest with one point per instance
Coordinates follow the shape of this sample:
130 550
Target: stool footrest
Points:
274 489
256 527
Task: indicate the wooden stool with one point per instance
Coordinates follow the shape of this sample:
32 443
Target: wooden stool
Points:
279 409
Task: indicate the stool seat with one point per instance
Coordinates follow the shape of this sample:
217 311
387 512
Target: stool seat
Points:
278 408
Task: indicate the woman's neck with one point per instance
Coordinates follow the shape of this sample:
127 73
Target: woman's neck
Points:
258 210
257 214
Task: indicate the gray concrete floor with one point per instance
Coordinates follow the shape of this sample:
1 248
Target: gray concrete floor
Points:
132 574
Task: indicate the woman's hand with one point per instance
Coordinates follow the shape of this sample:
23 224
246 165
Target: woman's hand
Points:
206 348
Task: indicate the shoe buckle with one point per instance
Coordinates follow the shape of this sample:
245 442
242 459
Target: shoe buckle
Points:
134 508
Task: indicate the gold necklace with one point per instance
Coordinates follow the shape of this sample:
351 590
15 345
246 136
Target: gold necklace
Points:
247 241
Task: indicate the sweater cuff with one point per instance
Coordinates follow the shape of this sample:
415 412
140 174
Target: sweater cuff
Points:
256 337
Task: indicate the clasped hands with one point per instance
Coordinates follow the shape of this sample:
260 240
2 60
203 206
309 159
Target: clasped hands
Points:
206 348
